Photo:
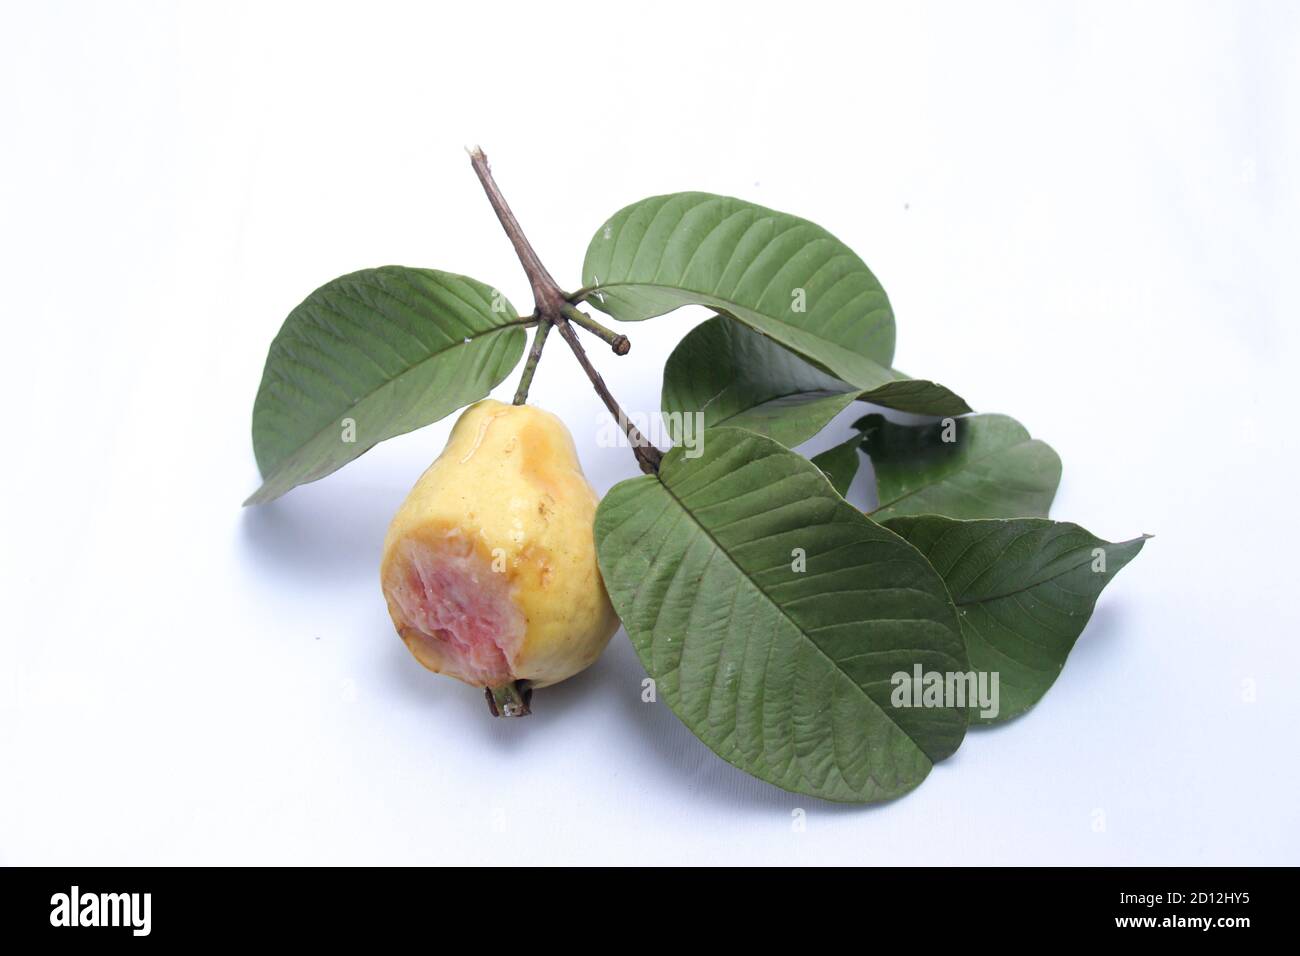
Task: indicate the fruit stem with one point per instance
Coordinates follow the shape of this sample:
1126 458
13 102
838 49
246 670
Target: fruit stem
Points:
509 700
619 343
530 367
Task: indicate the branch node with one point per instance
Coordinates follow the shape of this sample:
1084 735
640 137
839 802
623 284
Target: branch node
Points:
553 308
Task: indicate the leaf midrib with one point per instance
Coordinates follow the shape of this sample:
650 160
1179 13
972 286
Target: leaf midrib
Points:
798 628
1046 580
819 393
729 304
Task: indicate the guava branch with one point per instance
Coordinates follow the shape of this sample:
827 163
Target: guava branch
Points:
554 309
647 455
546 292
619 343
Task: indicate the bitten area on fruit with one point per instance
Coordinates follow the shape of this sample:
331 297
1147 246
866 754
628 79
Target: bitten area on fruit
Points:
455 614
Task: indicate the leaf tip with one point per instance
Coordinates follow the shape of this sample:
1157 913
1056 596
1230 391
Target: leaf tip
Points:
259 497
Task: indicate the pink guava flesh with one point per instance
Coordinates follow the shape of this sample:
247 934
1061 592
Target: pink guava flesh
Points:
460 609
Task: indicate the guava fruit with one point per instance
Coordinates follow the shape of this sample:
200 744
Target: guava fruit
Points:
489 566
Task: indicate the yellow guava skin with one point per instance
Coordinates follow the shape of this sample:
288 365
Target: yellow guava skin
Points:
494 546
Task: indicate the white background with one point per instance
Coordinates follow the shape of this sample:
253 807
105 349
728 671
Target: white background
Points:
1085 216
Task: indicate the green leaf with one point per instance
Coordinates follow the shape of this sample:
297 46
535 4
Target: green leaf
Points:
840 464
737 377
388 350
1024 590
981 466
779 274
783 668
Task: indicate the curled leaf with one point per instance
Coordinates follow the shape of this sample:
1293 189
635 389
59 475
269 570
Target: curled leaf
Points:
980 466
734 376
